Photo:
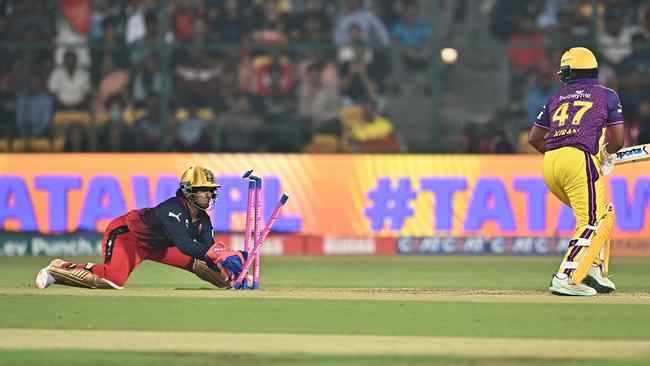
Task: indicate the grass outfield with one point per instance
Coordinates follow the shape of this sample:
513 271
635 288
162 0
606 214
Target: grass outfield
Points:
331 311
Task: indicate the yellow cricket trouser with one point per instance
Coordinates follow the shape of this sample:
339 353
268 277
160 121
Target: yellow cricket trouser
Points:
572 176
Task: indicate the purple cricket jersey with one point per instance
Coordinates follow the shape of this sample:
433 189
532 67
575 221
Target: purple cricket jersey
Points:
577 113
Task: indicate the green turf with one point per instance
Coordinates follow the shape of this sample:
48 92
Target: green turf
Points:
330 316
589 320
453 272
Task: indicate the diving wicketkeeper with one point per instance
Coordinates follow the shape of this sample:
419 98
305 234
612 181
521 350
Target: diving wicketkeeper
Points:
177 232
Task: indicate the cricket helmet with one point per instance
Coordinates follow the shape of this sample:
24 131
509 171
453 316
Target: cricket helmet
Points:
197 177
577 63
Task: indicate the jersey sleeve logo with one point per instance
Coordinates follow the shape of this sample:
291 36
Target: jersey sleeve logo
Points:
176 216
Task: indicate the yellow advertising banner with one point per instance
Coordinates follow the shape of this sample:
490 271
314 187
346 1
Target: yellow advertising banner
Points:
340 195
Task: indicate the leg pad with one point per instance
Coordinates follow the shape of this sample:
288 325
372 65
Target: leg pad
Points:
599 242
79 277
202 271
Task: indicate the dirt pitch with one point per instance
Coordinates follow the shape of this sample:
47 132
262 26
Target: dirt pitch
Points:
196 342
402 294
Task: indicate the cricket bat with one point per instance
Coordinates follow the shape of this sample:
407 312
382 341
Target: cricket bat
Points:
632 154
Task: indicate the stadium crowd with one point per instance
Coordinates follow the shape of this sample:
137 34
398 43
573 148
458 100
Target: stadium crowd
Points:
207 75
535 33
287 75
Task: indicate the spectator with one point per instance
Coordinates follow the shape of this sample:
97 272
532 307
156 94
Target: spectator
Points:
35 15
140 20
232 25
115 133
146 80
243 127
615 40
114 82
195 79
414 36
70 83
102 10
548 17
72 28
7 106
283 131
414 51
372 126
246 74
389 11
346 51
634 76
566 35
329 70
146 129
108 47
372 29
34 110
227 91
319 103
7 56
183 17
542 89
76 139
145 46
582 15
357 81
504 18
312 25
472 140
194 133
499 143
268 24
525 53
644 20
200 32
280 65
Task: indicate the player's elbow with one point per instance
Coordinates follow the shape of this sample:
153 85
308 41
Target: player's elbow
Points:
535 141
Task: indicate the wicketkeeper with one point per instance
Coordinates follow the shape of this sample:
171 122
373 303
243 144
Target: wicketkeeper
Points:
177 232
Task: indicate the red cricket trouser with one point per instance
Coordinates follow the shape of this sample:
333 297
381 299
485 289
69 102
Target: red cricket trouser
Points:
122 253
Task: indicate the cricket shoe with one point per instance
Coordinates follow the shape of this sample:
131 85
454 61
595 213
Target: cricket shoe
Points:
44 278
597 280
566 287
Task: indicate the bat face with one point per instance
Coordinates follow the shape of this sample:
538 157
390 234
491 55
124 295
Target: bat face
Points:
633 154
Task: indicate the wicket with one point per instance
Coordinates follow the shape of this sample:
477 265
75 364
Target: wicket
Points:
254 212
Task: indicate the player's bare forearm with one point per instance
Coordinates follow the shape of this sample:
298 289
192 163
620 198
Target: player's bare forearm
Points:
615 138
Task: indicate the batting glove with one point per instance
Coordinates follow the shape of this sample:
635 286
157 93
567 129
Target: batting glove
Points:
606 160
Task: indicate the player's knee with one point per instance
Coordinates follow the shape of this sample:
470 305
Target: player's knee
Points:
104 272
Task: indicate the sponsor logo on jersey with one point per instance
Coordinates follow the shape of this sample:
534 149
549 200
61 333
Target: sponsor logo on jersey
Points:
176 216
577 94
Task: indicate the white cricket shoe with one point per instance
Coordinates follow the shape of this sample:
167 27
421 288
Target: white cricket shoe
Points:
44 278
597 280
566 287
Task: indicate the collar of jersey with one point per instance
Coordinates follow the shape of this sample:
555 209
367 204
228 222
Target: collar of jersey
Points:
583 81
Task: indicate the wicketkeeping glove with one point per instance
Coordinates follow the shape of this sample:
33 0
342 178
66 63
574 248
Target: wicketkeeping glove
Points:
606 160
228 262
